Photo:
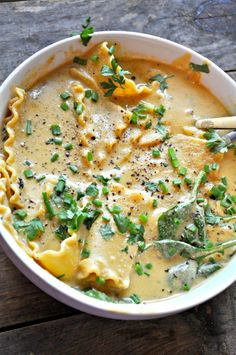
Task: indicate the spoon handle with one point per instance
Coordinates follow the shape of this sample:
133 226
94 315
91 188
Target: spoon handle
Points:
217 123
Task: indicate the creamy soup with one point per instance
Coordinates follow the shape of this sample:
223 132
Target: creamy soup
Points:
108 185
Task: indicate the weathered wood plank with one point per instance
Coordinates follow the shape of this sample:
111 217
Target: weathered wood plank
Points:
21 301
201 331
25 28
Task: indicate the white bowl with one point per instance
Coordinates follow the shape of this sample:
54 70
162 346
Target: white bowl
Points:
47 59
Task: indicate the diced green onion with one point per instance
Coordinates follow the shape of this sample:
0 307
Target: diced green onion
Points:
182 171
188 181
156 153
177 182
94 96
57 140
65 95
163 186
97 203
85 253
21 214
200 200
148 125
135 298
154 203
90 156
64 106
100 280
80 61
105 190
28 173
138 268
186 287
28 127
116 178
173 158
134 118
176 221
106 218
40 178
148 266
61 183
143 218
50 210
80 194
88 93
55 129
68 146
73 168
54 157
94 58
206 168
79 109
214 166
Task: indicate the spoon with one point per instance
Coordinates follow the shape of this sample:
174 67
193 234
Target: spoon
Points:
219 123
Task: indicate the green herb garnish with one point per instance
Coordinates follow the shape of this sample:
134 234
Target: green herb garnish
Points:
50 210
162 80
31 229
199 67
92 190
65 95
106 231
28 128
86 33
28 173
216 143
54 157
56 130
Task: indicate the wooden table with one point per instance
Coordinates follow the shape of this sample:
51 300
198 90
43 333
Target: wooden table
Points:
33 323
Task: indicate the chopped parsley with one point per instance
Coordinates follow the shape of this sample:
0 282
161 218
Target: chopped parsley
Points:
116 77
106 231
161 128
31 229
216 143
162 80
86 33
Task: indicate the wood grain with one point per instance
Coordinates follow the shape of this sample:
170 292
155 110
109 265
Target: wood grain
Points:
28 26
31 321
199 331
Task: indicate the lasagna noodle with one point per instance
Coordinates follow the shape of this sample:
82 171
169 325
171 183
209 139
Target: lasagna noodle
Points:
62 263
128 89
106 259
14 107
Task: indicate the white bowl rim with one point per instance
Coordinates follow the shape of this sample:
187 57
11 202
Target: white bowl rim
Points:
66 294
